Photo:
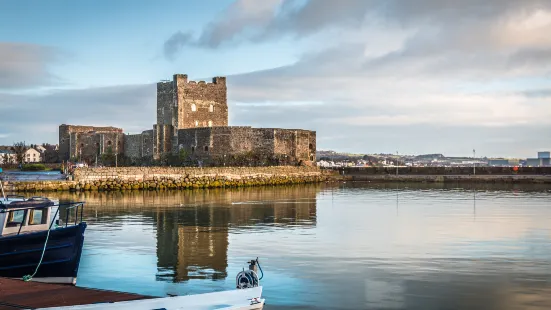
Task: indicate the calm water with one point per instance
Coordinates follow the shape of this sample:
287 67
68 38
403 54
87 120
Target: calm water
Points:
348 247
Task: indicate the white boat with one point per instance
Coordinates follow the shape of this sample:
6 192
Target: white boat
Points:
246 296
239 299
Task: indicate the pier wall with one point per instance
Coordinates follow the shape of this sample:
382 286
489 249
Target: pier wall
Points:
163 178
443 171
525 175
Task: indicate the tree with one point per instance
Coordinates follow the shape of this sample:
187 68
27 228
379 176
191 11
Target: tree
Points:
108 158
51 155
19 148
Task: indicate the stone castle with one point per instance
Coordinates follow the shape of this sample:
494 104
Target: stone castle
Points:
192 118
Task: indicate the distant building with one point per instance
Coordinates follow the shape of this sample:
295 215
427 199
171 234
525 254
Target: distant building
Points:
32 156
498 162
543 160
544 155
40 148
7 157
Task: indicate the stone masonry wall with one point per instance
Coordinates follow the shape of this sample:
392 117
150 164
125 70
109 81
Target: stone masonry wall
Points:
87 141
133 146
139 145
165 100
232 140
200 104
151 173
163 178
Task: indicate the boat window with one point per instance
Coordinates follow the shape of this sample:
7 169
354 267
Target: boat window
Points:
15 218
37 217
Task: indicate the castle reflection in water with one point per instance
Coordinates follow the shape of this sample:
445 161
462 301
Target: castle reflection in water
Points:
192 227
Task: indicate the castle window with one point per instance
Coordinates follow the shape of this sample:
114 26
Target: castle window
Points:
211 108
193 149
193 107
82 145
109 143
210 123
196 123
206 148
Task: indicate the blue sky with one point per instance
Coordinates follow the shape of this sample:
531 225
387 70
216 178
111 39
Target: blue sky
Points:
369 76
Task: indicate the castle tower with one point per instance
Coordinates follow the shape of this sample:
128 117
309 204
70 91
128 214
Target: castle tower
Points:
185 104
199 104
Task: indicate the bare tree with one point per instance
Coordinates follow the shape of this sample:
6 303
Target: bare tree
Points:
19 148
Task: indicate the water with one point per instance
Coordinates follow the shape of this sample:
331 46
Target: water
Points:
346 247
17 175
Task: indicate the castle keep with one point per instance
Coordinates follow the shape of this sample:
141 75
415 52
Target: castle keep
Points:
192 122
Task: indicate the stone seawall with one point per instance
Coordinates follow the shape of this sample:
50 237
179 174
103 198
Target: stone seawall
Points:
162 178
505 179
451 171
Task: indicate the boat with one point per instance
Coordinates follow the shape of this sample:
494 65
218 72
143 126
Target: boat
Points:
35 245
246 299
247 295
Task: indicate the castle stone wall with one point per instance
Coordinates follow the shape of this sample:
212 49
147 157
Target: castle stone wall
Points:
133 146
269 142
85 142
165 103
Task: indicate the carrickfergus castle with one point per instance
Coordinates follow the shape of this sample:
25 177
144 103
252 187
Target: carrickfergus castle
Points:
193 117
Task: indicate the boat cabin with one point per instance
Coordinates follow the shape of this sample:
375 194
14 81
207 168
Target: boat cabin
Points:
19 215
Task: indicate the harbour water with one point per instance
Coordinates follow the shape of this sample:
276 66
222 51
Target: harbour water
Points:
351 246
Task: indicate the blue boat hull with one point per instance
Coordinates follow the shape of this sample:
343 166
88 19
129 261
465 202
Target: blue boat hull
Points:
20 254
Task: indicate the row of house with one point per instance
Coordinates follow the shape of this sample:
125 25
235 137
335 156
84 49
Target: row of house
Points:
33 154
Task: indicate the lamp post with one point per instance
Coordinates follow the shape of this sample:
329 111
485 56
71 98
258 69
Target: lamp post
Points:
396 163
474 162
116 151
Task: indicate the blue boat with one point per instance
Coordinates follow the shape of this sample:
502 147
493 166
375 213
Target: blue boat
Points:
35 245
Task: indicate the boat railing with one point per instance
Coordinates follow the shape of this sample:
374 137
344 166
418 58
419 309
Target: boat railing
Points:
69 207
14 196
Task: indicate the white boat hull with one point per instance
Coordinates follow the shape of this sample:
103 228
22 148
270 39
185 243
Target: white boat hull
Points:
245 299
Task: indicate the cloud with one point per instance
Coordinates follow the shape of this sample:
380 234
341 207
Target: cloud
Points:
25 65
403 70
36 118
175 43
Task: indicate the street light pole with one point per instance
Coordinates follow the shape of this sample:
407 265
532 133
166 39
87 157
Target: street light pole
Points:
396 163
474 162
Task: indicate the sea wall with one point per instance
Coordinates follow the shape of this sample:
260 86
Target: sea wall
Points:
164 178
520 175
488 179
443 171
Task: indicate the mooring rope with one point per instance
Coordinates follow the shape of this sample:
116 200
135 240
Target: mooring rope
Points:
29 277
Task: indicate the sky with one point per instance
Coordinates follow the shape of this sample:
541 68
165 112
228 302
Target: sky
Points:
369 76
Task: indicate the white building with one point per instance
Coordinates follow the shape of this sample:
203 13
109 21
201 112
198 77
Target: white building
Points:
33 156
40 148
7 157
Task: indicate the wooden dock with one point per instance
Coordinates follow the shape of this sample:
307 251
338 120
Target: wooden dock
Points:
18 294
